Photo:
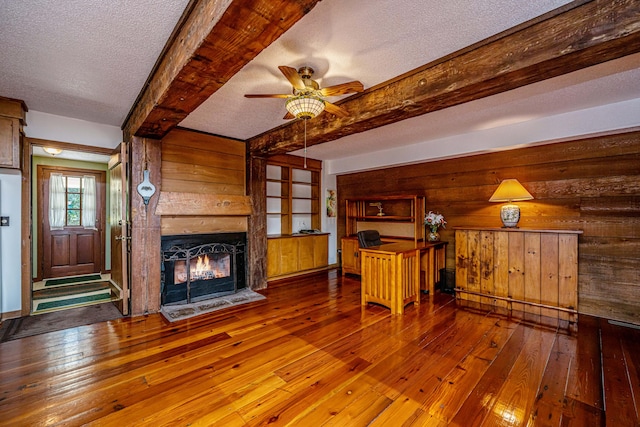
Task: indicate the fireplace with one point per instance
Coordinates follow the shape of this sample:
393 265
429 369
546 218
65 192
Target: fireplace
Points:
197 267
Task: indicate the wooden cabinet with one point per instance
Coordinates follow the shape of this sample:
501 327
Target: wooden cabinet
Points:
350 255
290 255
533 271
12 119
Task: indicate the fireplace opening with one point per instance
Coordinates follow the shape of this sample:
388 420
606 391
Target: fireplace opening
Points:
205 267
202 266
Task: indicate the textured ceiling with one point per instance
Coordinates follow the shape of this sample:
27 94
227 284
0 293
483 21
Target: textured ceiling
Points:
85 59
88 59
370 41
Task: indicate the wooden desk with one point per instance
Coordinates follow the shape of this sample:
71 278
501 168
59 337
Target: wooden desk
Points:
390 273
433 257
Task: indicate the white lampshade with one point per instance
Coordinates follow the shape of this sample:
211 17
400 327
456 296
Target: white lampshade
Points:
305 106
510 190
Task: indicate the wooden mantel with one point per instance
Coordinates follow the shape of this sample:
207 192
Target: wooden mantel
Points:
178 204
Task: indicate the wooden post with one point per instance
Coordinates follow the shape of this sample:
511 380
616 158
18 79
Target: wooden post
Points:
257 226
145 229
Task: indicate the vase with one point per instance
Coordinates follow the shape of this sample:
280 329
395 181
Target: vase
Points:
433 236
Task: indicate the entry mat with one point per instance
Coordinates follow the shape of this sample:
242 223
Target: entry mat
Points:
64 297
173 313
50 322
70 280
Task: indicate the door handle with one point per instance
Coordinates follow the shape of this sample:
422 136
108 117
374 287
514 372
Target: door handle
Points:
123 237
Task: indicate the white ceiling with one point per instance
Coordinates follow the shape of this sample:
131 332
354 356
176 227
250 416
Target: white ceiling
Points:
88 59
85 59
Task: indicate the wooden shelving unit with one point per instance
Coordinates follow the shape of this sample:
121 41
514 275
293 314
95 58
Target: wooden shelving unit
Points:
400 213
293 198
402 220
293 204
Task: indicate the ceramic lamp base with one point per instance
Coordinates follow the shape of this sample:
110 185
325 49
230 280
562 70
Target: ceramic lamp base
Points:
510 215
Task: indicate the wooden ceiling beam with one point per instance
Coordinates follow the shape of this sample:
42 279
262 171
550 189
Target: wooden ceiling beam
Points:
580 35
215 39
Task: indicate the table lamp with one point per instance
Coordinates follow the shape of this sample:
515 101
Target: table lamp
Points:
510 190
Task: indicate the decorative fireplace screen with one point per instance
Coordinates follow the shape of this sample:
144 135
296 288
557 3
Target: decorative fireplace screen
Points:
193 271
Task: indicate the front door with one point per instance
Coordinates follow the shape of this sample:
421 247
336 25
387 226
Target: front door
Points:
119 225
74 245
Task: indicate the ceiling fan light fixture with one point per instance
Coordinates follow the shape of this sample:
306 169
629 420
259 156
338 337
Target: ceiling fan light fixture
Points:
305 106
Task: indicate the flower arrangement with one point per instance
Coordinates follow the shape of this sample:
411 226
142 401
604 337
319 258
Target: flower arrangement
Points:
434 221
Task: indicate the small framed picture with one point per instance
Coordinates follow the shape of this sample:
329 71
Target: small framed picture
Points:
332 204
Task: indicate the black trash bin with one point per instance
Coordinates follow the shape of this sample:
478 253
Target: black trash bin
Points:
447 280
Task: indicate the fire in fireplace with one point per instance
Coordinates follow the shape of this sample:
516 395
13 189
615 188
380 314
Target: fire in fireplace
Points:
205 267
202 266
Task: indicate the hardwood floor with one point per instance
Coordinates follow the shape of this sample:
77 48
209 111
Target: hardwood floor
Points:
309 355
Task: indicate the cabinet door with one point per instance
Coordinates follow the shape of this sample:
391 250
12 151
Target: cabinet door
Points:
288 255
305 253
273 257
350 256
320 251
9 143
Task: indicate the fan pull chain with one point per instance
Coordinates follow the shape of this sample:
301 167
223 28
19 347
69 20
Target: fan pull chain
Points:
305 143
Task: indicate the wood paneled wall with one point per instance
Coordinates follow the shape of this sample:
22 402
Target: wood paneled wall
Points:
194 162
590 184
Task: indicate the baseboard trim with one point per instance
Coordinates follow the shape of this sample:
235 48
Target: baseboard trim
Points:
11 315
300 273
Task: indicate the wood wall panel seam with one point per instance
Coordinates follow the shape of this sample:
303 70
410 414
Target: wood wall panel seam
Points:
190 204
609 245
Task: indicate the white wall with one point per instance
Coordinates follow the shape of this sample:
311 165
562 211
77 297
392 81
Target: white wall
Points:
64 129
42 126
329 225
621 115
10 266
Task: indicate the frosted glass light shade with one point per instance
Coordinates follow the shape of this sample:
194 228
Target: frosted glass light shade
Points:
52 151
305 106
510 190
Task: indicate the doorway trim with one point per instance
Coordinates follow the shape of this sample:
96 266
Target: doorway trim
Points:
99 250
27 225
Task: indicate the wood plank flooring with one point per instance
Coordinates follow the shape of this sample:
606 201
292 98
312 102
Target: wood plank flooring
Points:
309 355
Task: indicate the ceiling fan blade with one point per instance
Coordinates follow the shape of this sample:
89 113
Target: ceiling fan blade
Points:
292 75
334 109
342 89
288 116
268 95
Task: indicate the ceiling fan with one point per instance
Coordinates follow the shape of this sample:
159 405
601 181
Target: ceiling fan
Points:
307 99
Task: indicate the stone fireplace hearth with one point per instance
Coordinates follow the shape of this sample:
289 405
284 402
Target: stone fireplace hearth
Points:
198 267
